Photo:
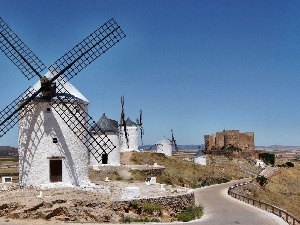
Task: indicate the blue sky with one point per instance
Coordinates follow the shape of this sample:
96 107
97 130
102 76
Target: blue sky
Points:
195 66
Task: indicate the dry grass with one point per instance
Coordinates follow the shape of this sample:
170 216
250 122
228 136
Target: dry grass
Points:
283 189
184 173
10 172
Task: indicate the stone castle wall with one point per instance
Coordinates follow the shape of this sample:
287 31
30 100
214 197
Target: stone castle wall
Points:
222 140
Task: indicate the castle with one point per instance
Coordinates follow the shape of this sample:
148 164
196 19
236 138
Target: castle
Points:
229 138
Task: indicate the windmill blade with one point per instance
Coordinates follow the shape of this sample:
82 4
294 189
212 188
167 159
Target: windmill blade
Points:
88 50
29 64
152 146
174 141
69 108
123 121
141 127
9 116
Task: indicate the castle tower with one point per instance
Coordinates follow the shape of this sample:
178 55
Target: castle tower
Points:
109 128
49 151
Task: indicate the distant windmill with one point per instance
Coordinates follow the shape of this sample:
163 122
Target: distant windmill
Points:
110 127
128 132
123 128
54 126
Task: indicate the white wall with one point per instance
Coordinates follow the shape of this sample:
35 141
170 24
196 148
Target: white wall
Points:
114 155
200 160
132 132
165 148
36 132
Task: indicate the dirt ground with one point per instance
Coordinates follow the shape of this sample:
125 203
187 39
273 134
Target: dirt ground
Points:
73 204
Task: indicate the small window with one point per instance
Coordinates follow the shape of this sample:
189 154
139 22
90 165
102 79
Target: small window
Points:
48 110
54 140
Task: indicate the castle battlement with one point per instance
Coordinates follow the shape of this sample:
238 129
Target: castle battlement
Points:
226 138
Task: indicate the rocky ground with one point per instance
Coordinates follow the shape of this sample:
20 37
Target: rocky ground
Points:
91 203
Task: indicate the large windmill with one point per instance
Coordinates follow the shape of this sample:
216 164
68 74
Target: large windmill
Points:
54 126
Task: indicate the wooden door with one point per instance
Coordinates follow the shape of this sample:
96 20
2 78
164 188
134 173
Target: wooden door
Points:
56 170
104 158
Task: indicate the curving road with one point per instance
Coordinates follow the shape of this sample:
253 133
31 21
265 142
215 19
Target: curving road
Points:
220 208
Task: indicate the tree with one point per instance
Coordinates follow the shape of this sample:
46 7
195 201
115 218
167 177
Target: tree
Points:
262 180
268 158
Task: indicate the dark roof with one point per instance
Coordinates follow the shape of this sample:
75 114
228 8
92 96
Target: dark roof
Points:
130 123
105 125
200 153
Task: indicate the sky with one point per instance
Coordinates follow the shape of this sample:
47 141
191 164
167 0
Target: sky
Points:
194 66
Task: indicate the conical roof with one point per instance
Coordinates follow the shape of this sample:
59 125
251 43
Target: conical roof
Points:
164 141
200 153
105 125
66 84
129 123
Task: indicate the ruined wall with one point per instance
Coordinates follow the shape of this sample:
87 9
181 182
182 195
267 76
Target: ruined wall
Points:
210 141
246 141
221 140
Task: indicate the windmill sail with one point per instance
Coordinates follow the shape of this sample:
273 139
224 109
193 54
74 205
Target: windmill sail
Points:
88 50
29 64
68 66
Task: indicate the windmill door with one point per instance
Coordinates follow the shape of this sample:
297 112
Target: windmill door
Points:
55 170
104 158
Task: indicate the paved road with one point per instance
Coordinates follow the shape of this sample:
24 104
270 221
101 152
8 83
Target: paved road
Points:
220 208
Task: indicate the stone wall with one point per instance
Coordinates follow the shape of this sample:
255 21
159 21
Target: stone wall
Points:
94 209
175 204
222 140
153 171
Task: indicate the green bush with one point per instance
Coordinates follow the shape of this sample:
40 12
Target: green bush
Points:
268 158
262 180
289 164
149 208
191 213
135 204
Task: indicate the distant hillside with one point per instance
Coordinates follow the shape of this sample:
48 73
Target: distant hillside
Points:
8 151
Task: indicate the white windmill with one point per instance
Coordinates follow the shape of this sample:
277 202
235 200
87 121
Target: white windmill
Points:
54 126
111 153
128 132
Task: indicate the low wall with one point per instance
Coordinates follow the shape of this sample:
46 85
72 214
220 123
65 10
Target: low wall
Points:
175 203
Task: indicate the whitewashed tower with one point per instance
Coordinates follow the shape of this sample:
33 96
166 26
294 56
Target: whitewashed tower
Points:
164 146
48 150
54 135
132 136
106 127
